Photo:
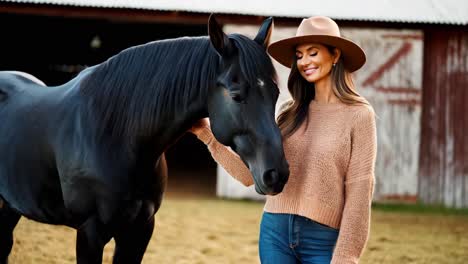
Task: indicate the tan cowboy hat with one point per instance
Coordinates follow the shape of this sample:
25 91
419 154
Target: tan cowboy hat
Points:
318 29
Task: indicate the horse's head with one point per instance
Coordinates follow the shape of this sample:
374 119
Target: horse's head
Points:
241 105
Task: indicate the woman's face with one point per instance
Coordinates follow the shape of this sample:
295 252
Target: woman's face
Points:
314 61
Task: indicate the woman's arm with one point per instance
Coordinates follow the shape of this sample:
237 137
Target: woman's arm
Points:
359 187
223 155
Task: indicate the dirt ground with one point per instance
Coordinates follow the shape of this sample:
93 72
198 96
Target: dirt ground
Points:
208 230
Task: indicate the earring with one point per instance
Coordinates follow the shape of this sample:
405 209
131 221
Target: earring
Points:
334 64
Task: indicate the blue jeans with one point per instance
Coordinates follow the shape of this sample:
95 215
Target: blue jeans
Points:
292 239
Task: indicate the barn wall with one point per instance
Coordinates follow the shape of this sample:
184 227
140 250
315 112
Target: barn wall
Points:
444 142
391 81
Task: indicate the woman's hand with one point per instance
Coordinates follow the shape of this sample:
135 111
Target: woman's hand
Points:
198 127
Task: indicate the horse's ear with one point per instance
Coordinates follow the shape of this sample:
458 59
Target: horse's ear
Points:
264 33
219 40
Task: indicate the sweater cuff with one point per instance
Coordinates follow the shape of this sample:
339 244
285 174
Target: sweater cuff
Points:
344 260
206 136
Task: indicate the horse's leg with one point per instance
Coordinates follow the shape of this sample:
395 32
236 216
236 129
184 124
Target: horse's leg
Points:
90 241
131 243
8 221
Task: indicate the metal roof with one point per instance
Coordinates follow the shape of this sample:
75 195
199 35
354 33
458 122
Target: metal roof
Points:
411 11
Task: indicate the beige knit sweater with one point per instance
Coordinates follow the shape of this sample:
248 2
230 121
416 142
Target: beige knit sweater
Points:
332 159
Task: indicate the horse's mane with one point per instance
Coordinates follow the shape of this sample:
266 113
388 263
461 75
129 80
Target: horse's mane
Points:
141 84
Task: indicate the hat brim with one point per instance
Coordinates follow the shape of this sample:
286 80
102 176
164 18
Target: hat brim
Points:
284 50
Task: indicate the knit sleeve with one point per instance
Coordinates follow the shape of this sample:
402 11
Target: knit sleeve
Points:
359 188
227 158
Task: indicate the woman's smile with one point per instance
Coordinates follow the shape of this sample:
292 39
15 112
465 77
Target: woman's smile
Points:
310 70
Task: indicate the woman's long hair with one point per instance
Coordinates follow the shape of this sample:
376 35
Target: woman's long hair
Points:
295 111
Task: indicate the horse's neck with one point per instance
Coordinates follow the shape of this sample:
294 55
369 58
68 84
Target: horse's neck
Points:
177 111
160 108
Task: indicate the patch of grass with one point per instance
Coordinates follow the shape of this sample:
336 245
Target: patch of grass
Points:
419 208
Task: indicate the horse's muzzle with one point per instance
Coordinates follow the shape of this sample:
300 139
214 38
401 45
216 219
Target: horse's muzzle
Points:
274 181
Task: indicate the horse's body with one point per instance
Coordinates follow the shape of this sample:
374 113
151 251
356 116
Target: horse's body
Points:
51 161
89 154
54 168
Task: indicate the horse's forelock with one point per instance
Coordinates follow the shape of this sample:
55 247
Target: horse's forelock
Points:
253 59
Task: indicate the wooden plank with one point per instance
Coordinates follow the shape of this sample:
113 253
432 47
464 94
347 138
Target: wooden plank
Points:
444 140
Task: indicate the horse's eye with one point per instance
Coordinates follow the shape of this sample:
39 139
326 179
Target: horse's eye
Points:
237 97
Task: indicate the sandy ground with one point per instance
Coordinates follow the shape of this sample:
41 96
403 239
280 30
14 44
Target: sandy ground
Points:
219 231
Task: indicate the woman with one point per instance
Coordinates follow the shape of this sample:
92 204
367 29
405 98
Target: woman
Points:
329 137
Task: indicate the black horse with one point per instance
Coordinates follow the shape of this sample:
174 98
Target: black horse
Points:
89 154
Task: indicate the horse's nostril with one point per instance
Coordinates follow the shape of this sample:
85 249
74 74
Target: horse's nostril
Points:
270 177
